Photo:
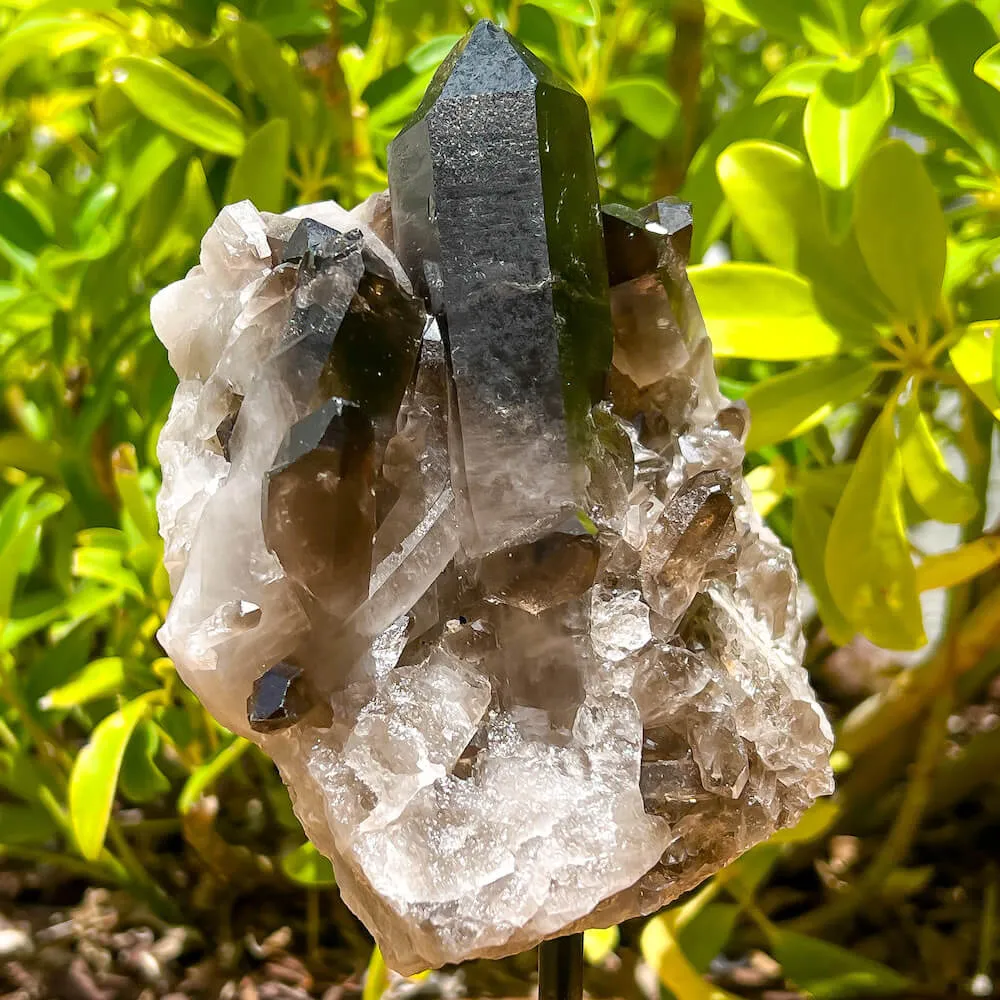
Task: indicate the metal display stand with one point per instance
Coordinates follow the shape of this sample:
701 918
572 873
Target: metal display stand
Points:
560 968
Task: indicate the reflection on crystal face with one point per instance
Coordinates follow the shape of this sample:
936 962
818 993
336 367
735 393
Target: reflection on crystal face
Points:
465 545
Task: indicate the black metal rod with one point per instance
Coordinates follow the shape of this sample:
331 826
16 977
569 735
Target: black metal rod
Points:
560 968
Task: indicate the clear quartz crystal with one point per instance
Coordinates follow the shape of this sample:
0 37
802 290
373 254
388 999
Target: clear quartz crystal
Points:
497 736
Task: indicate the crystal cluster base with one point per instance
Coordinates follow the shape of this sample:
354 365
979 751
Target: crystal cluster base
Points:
457 532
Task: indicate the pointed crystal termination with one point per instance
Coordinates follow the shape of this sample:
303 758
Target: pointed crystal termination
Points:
278 699
354 333
496 219
319 505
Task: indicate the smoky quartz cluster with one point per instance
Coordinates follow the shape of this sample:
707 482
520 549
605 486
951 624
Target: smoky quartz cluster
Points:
456 528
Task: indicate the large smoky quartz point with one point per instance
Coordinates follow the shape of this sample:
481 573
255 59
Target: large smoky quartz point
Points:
457 532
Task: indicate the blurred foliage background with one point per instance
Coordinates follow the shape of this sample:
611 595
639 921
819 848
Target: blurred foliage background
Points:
843 158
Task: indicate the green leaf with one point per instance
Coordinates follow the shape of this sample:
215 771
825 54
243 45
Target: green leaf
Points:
584 12
987 67
959 35
798 79
259 173
703 937
777 17
181 104
757 311
949 569
646 102
140 779
902 231
937 492
94 776
844 117
828 972
29 825
793 402
974 359
202 778
306 866
272 77
810 535
868 564
98 679
776 197
429 55
662 951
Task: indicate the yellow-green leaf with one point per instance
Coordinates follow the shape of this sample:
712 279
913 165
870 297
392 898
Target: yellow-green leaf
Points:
829 972
646 102
974 359
180 103
868 566
757 311
988 67
768 484
661 950
844 117
272 77
949 569
377 976
306 866
810 534
98 679
902 231
938 493
599 943
259 173
775 196
94 777
794 402
202 778
798 79
582 12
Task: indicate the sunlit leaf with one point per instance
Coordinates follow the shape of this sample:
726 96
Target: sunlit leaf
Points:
202 778
98 679
703 938
938 493
585 12
661 950
902 231
599 943
949 569
94 777
376 977
868 565
180 103
829 972
776 197
844 117
988 67
259 173
646 102
798 79
767 485
793 402
756 311
974 359
306 866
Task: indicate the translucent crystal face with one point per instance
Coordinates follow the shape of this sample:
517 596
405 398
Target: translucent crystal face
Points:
457 532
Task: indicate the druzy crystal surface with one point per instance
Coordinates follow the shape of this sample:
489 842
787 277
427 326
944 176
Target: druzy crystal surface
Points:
457 532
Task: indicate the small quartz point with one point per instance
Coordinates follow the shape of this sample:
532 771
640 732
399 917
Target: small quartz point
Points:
495 215
277 700
461 537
